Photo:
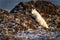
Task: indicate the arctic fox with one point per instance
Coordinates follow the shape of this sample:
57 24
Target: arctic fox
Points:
39 18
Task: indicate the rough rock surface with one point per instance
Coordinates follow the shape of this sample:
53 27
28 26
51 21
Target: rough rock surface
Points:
48 10
12 25
20 24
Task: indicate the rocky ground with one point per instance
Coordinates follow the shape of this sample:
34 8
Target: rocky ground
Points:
19 24
48 10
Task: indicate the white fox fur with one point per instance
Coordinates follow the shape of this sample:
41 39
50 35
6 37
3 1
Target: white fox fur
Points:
39 18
